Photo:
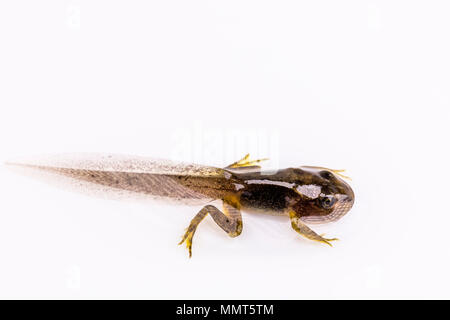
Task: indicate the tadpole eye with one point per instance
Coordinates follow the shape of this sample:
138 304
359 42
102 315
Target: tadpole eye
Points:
326 174
327 202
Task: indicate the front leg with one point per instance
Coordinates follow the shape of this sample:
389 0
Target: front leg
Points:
305 231
230 221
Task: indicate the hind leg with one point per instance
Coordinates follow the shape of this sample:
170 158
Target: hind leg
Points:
230 221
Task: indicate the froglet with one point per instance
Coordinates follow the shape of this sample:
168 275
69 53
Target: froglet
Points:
303 194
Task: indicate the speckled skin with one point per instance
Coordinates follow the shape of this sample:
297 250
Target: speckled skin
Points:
304 194
307 194
276 193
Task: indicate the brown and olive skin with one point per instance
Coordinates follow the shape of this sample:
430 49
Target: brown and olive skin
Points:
304 194
275 193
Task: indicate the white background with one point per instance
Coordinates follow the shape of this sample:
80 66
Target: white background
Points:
360 85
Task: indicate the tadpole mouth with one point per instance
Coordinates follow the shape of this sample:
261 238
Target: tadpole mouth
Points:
347 195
